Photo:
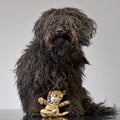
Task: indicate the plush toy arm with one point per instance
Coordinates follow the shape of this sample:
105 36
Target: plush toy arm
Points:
64 103
42 101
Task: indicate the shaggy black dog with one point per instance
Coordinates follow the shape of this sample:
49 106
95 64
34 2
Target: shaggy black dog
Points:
55 60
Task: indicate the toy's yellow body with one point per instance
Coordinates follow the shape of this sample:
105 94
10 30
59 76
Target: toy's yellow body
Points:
53 103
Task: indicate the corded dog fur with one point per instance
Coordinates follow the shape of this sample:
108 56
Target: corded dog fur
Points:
55 60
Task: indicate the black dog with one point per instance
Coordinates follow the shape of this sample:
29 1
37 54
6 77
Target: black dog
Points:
55 60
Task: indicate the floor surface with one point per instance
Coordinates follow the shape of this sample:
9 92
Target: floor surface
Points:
19 115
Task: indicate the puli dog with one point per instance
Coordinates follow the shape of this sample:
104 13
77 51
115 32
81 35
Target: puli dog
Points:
55 60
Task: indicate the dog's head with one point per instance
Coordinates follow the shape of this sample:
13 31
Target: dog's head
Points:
66 28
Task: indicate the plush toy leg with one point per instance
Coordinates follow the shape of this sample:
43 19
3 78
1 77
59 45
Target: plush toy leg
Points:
45 113
63 114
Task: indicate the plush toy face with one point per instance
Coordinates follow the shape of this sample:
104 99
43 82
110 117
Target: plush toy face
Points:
54 97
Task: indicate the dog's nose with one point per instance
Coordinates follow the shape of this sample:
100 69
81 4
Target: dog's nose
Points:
59 30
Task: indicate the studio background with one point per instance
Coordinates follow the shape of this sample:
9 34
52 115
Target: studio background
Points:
102 79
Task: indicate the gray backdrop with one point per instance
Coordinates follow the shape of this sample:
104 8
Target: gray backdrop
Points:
17 18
